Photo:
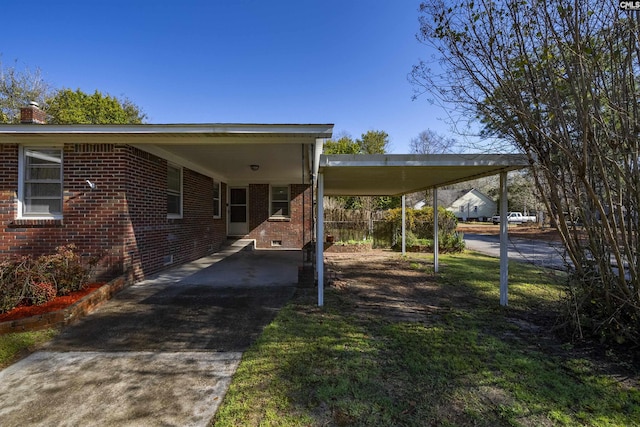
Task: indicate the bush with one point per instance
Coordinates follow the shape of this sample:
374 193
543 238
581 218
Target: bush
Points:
452 242
65 269
15 278
423 222
41 293
587 312
25 280
420 226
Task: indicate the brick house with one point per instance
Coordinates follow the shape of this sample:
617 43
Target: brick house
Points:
145 197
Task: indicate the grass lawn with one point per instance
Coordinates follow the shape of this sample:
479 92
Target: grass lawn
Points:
396 345
14 345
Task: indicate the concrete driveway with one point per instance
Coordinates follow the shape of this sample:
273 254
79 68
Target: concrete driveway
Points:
160 353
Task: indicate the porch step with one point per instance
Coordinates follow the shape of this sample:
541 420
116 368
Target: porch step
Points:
238 245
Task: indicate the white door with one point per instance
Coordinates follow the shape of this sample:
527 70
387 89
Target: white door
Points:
238 212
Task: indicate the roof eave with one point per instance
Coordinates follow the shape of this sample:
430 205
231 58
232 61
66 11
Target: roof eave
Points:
514 161
225 131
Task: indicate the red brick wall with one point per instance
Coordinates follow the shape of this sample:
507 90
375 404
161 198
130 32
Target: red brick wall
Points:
153 242
146 219
293 232
8 193
91 219
123 220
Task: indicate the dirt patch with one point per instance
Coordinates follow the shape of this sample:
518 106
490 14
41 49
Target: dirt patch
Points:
384 286
381 284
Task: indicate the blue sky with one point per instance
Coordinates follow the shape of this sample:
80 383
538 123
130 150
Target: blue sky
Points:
234 61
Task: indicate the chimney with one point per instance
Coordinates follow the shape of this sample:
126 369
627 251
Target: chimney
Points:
33 114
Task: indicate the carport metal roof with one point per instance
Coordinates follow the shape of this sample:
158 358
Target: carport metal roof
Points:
397 174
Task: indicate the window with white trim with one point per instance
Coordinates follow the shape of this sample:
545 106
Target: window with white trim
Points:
279 201
216 199
40 191
174 191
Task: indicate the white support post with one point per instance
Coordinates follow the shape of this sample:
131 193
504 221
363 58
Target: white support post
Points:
504 241
404 225
320 240
436 249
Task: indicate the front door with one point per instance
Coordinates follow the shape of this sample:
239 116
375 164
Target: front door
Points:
238 212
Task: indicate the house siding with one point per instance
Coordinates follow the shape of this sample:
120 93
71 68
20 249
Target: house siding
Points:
464 206
123 221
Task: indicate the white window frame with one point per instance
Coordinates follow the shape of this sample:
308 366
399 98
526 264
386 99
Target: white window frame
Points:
271 201
217 202
22 183
180 194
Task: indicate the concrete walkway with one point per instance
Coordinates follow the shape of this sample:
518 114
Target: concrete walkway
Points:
160 353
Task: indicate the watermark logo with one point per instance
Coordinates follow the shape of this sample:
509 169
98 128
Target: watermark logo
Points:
630 5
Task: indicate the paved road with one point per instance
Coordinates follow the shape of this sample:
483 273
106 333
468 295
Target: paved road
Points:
161 353
538 252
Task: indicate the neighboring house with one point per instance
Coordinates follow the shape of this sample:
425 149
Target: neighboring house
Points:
473 205
145 197
467 205
445 198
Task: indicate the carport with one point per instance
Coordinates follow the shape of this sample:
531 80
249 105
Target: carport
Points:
400 174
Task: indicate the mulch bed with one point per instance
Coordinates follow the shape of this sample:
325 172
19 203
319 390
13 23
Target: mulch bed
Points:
58 303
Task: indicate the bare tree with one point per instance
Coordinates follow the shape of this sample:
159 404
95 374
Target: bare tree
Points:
430 142
558 81
18 88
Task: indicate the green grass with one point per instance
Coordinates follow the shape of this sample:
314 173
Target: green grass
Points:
466 365
15 344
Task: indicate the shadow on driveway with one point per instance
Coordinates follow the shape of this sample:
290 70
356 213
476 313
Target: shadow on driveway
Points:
161 352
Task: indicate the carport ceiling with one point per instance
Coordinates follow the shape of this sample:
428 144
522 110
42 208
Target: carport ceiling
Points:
221 150
397 174
284 163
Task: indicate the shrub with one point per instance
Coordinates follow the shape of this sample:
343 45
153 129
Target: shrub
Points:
423 227
41 293
39 281
452 242
420 225
586 314
15 278
65 269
